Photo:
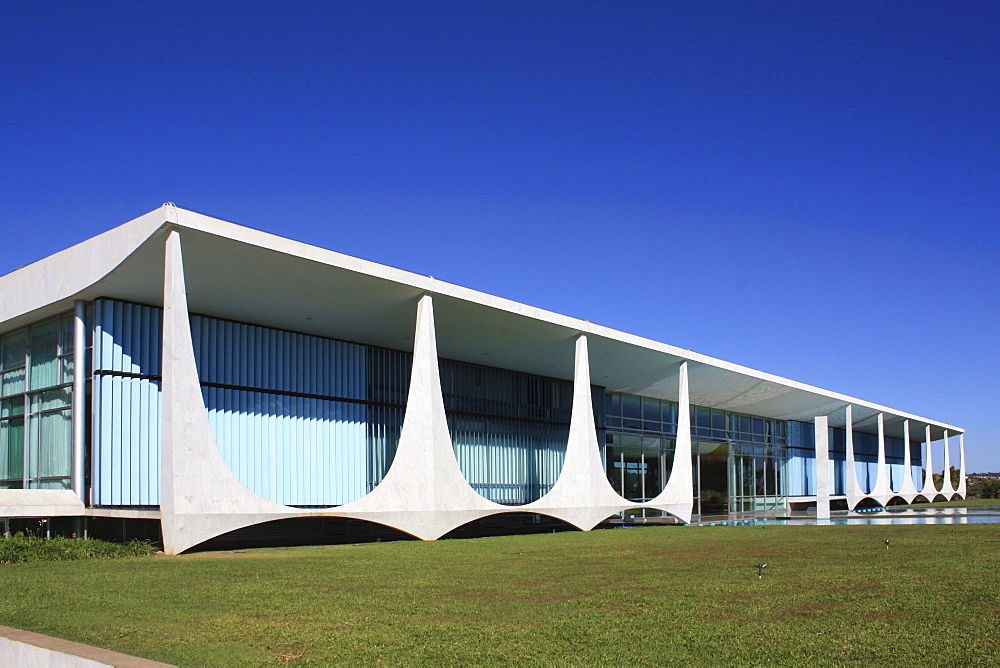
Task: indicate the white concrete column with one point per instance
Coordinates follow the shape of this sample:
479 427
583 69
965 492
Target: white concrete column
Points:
909 490
928 491
882 490
677 498
851 486
582 495
77 477
200 497
424 492
946 487
822 439
961 466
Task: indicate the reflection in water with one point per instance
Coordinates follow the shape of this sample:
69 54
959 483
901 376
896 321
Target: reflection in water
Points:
975 515
987 515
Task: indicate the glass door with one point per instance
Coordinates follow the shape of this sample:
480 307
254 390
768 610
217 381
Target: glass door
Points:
713 478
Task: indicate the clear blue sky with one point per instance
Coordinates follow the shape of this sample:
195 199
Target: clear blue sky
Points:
807 188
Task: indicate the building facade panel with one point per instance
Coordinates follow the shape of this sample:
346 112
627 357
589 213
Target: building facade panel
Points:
125 391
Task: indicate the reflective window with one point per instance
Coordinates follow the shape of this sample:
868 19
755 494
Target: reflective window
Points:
36 376
638 467
739 461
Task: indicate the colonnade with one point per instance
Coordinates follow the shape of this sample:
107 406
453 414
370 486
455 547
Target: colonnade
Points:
424 492
882 491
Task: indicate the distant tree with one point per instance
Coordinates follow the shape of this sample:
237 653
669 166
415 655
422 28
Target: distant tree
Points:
955 477
984 488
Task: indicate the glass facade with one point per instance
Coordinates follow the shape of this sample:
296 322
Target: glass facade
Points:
738 460
509 429
310 421
639 442
36 391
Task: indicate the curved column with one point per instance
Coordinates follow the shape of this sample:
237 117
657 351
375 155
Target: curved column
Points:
961 491
908 491
200 498
822 440
582 494
882 491
424 493
677 498
851 487
928 491
946 487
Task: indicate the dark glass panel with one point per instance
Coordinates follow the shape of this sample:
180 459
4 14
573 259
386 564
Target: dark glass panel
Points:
631 407
612 463
12 407
635 471
67 334
714 477
47 330
613 404
748 476
12 448
652 483
703 418
718 422
12 349
650 409
744 427
759 466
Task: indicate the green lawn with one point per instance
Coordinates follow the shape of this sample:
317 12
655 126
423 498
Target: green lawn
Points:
830 595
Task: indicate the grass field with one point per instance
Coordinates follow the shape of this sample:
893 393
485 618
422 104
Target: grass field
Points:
829 595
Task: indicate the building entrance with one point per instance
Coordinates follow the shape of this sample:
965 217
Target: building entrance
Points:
638 472
712 478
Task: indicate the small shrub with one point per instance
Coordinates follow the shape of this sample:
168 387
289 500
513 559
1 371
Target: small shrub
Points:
21 548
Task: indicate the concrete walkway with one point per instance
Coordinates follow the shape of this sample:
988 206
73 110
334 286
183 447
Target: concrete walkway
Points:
30 650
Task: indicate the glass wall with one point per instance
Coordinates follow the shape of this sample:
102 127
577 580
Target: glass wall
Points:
757 479
639 439
638 466
36 376
802 462
509 429
125 393
288 410
738 460
311 421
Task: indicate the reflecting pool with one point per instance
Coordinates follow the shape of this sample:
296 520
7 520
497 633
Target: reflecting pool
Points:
953 515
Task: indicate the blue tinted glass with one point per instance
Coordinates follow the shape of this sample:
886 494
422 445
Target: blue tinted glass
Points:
12 349
630 406
718 420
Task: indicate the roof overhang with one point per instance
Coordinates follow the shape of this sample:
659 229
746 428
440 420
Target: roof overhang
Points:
246 275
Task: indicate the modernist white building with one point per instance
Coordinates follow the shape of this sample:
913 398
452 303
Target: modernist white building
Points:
214 381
